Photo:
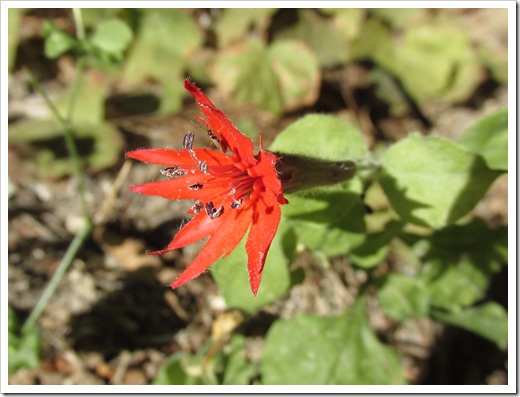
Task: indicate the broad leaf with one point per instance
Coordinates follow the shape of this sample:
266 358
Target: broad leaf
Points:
57 42
245 72
234 24
269 77
165 40
308 349
432 181
232 276
402 297
111 38
320 34
297 71
99 145
328 219
237 369
323 137
488 320
488 137
375 246
459 262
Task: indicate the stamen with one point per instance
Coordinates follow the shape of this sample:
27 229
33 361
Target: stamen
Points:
216 141
196 186
203 167
212 211
196 207
174 172
188 140
236 204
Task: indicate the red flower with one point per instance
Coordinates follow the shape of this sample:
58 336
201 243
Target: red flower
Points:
231 191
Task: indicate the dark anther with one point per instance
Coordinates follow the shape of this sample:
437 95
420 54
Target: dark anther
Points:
196 186
212 211
215 139
197 207
236 204
188 140
174 172
203 166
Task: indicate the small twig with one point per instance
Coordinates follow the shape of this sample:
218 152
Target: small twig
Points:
107 205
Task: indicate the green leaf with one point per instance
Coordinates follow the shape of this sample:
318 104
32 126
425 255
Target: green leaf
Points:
268 77
432 181
245 71
325 39
321 136
92 16
13 24
403 297
161 51
57 42
234 24
347 20
375 247
89 107
172 371
112 37
298 73
98 144
402 17
440 50
374 41
308 349
488 320
488 137
434 47
460 261
24 348
232 276
328 219
237 370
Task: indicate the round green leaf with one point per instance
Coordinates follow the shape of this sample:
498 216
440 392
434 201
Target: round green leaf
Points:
308 349
57 42
432 181
280 77
245 71
298 73
112 37
323 137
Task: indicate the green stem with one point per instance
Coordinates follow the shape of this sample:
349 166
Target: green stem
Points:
69 138
66 122
78 21
58 275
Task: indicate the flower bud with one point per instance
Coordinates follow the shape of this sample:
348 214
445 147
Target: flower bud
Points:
298 172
